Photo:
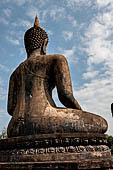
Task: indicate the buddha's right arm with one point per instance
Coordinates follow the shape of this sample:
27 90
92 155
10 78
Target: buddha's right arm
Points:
11 96
63 83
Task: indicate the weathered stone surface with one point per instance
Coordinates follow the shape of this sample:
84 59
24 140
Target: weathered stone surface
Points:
40 134
55 151
53 140
51 166
31 104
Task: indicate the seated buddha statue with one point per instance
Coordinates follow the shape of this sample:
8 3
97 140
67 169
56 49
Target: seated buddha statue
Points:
30 101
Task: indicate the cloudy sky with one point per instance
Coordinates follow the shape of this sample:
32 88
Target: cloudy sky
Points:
82 30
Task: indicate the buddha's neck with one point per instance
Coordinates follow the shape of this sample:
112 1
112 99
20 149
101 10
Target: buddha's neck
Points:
35 52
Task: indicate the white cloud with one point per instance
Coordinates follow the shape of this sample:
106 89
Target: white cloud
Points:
1 110
32 12
99 40
3 94
22 51
4 21
72 20
4 119
90 75
39 3
42 2
104 3
44 15
67 35
99 51
69 54
76 3
2 113
17 2
96 95
4 68
13 41
1 82
21 2
49 32
99 3
7 12
22 23
57 13
25 23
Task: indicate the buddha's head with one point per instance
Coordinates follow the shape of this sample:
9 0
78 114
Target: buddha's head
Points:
35 38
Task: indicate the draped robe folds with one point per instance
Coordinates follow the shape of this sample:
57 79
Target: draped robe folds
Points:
32 107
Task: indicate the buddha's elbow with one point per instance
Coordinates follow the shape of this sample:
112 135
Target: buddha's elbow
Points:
66 100
10 111
62 99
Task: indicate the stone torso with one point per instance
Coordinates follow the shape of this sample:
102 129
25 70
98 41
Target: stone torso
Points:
31 105
38 76
33 82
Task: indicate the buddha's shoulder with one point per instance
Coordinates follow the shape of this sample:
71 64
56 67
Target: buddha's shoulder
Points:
18 68
45 58
56 57
51 57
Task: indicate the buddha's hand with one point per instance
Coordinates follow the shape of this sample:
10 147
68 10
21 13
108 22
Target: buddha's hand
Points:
77 105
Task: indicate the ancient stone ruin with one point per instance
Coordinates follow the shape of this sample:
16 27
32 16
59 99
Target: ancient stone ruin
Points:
40 134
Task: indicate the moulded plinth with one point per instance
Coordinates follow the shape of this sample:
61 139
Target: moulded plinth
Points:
55 151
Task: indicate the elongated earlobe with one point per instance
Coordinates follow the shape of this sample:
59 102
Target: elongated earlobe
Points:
44 46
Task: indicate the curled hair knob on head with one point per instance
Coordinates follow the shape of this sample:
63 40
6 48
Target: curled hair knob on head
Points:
34 37
36 23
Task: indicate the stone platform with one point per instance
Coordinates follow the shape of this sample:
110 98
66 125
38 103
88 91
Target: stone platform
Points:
55 151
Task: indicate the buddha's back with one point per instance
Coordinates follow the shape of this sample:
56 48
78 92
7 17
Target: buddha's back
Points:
31 91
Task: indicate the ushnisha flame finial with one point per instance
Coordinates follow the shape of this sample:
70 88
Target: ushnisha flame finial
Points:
34 37
36 23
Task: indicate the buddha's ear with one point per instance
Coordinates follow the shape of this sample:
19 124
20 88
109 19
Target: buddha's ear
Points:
45 45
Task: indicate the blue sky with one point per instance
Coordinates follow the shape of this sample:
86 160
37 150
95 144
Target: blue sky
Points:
82 30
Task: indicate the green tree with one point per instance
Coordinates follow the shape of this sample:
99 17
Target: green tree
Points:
3 134
110 143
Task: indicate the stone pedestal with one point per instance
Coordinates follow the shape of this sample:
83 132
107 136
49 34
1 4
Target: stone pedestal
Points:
55 151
